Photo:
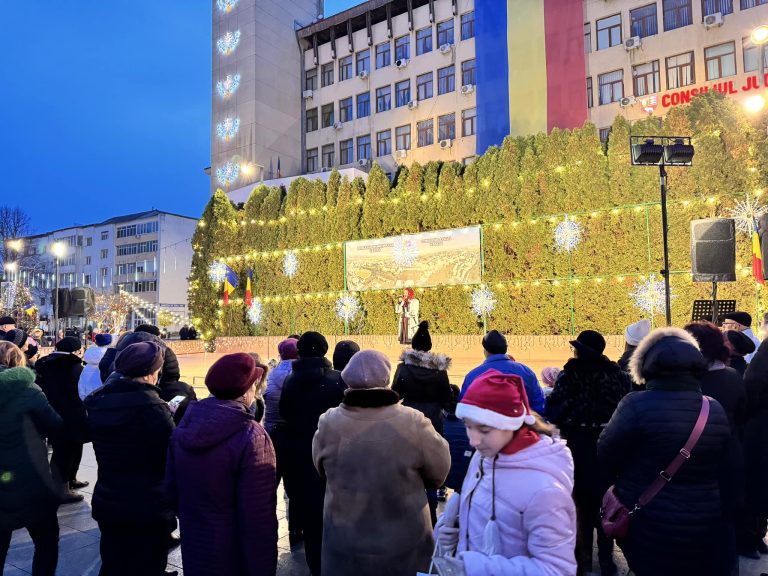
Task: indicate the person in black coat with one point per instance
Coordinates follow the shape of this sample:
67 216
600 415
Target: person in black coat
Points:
679 531
312 388
584 398
741 346
171 386
633 334
107 363
343 352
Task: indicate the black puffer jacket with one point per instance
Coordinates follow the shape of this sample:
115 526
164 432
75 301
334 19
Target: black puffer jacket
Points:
679 531
130 428
421 380
170 386
107 363
58 375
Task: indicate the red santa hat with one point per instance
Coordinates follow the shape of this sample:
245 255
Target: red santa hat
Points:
497 400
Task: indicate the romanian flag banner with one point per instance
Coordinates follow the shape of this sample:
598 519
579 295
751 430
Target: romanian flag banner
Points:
757 256
230 283
248 295
30 309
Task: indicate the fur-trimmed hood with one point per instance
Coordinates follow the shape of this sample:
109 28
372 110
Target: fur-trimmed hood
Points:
666 352
425 359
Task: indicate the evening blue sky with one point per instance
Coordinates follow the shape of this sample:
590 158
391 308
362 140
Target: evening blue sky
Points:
106 107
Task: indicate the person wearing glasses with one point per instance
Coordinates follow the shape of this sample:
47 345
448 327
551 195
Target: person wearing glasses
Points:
741 322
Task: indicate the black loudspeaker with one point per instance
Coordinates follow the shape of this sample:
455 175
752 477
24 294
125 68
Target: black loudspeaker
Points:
713 250
82 302
64 302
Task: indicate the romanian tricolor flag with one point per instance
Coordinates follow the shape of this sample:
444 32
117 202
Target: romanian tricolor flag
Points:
757 256
30 309
230 283
248 288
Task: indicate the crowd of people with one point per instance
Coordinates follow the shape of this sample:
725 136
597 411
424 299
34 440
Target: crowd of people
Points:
365 453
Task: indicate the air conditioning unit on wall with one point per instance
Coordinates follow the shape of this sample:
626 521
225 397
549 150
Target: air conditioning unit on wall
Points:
402 63
632 43
467 89
713 20
413 104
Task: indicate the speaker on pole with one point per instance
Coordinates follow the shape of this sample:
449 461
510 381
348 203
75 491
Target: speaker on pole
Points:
713 250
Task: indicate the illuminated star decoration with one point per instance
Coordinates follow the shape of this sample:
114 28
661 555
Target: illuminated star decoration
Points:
290 264
746 212
254 312
347 307
405 251
483 301
568 235
228 86
226 5
649 294
217 272
227 43
228 173
227 128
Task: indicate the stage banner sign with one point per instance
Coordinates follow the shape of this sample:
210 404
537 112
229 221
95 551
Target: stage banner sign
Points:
427 259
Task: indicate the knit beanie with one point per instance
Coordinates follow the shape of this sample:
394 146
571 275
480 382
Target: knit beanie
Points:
287 349
7 320
636 332
497 400
17 336
68 344
422 340
232 375
140 359
495 343
549 375
342 353
367 369
312 345
103 339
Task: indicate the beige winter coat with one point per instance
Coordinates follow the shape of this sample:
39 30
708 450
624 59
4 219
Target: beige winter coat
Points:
378 456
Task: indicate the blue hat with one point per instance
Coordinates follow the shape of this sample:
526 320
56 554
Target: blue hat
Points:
103 339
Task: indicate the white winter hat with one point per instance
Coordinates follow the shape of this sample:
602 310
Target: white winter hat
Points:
637 331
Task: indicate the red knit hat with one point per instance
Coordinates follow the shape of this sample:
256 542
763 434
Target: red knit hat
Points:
232 375
497 400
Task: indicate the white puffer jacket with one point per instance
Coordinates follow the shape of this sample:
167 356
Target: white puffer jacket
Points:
90 378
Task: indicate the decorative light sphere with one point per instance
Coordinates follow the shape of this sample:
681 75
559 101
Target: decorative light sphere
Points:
405 252
347 307
228 173
649 295
483 301
227 128
255 312
746 212
225 88
226 5
217 272
290 264
568 235
227 43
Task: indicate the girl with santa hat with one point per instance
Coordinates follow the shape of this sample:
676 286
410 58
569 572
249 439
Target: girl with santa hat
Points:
515 514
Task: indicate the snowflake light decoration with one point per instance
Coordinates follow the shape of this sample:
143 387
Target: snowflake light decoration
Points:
347 307
405 251
568 235
227 128
746 212
483 301
290 264
228 86
226 5
217 272
649 295
254 312
227 43
228 173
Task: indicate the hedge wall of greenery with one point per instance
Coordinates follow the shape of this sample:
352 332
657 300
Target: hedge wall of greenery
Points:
518 192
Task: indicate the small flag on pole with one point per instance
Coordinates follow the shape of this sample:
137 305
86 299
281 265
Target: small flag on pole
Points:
230 283
757 256
30 309
248 288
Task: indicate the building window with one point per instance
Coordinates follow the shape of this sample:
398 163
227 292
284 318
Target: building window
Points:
310 79
720 60
103 273
712 6
403 47
87 260
327 71
364 105
645 78
587 38
403 137
468 72
680 71
345 109
446 127
137 248
105 235
312 160
345 151
382 55
605 133
383 98
145 286
423 40
89 241
426 132
424 86
86 279
468 25
363 62
364 147
327 114
311 120
328 156
590 101
446 80
677 13
402 93
136 229
745 4
104 254
445 32
72 258
384 143
611 86
469 122
643 21
345 68
751 58
609 32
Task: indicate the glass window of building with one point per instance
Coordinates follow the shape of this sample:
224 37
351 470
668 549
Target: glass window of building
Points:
86 280
425 131
311 120
445 32
446 127
327 114
677 13
403 137
402 93
423 40
587 37
384 143
424 86
105 235
104 254
469 122
712 6
383 98
363 59
643 21
468 25
446 79
590 101
608 32
88 242
720 60
403 47
327 72
680 71
310 79
751 58
364 147
468 68
382 55
645 78
312 160
329 157
605 133
745 4
87 260
345 110
611 86
345 68
364 105
345 151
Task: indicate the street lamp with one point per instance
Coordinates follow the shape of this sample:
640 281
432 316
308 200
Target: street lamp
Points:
662 151
759 36
58 249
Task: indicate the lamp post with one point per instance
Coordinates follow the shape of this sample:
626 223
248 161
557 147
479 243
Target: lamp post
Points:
759 36
662 151
58 249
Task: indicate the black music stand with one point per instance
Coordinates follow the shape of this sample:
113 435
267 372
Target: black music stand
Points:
703 310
